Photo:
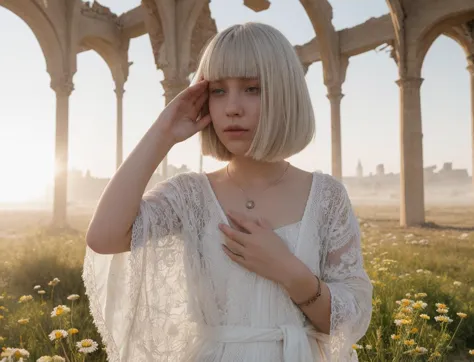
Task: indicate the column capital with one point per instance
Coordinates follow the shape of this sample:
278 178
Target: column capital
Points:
410 82
335 96
335 92
119 90
62 84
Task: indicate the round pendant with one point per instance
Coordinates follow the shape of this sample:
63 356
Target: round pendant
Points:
250 204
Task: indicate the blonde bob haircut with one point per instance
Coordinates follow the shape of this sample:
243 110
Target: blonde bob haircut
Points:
255 50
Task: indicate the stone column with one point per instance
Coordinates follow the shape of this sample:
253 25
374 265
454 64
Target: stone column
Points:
119 91
335 96
470 68
412 201
172 87
63 87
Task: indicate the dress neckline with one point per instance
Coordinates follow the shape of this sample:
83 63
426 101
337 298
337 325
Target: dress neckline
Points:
226 220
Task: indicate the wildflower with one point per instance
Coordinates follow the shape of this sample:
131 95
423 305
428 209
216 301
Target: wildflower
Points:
73 331
405 302
400 322
420 295
73 297
462 315
45 359
419 304
442 311
60 310
419 271
443 319
414 330
409 342
425 316
41 292
471 352
441 305
420 350
368 346
395 337
57 334
457 284
407 310
356 347
25 298
36 287
87 346
17 353
58 359
24 321
54 282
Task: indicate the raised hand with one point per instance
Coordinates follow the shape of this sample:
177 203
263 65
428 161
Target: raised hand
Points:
181 118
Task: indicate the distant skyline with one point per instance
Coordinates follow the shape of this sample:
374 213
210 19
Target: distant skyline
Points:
370 108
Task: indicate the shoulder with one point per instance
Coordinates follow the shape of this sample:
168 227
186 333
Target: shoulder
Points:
332 192
184 181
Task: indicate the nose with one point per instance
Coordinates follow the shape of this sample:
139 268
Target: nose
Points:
234 105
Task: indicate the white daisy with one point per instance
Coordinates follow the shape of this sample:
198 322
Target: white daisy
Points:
57 334
87 346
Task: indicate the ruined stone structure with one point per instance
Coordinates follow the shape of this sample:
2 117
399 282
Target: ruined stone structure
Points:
178 29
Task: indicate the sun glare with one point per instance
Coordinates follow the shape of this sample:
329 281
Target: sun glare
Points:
26 176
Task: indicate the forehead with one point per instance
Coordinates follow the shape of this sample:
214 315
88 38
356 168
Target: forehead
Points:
235 80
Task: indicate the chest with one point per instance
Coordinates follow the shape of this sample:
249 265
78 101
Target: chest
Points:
281 206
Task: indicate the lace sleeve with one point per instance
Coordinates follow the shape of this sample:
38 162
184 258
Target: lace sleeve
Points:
349 284
138 298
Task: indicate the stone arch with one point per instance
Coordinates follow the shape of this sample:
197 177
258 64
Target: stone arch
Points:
438 22
457 35
116 60
320 14
36 18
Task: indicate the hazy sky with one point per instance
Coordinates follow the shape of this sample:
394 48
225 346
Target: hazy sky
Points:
370 108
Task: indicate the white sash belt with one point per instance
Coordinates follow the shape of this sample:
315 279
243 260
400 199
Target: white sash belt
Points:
296 346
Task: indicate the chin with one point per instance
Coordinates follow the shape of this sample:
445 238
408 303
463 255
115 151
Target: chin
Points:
237 150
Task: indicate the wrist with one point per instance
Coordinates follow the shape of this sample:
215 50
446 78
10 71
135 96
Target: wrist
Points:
296 274
162 135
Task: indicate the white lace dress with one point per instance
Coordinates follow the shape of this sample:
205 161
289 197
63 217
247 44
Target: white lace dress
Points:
177 297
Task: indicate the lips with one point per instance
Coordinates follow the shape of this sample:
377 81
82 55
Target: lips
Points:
235 129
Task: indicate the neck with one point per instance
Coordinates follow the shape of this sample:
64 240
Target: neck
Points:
250 173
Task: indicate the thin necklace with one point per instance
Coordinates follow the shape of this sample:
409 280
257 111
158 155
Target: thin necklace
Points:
250 203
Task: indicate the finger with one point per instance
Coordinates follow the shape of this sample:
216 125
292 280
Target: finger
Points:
233 234
243 221
235 257
235 247
199 102
202 122
194 90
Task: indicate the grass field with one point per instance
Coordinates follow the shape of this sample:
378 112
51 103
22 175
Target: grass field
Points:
437 260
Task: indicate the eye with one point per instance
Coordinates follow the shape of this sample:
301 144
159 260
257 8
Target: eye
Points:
216 90
254 89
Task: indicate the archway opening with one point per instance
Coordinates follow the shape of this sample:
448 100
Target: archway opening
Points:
446 109
27 117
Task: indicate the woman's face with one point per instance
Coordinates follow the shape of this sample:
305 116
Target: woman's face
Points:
235 102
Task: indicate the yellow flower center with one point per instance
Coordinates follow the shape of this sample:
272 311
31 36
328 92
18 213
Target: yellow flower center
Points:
86 344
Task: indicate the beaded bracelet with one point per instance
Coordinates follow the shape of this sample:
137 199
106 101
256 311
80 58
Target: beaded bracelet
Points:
313 298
